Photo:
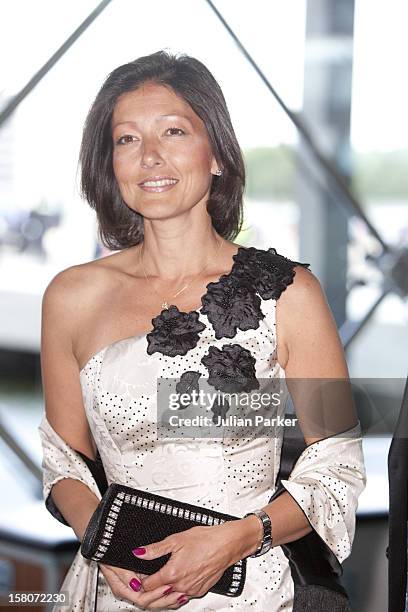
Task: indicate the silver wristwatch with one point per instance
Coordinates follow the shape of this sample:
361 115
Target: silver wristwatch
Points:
267 532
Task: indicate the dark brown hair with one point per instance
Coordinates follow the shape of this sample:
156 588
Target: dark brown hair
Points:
119 226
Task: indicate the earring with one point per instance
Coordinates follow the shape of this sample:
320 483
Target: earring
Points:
219 172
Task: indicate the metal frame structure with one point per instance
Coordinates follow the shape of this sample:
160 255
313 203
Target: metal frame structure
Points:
55 57
393 262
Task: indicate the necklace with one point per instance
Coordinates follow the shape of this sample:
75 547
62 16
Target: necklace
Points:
165 304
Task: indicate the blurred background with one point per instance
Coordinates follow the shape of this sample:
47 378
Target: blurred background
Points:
318 100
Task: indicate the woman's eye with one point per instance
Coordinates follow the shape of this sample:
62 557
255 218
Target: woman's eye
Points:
125 139
175 129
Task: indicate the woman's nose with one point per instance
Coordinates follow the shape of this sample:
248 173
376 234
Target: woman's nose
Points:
150 155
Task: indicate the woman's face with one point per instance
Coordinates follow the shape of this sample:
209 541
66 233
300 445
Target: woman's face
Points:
162 157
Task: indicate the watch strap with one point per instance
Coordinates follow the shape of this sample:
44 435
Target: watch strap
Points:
267 539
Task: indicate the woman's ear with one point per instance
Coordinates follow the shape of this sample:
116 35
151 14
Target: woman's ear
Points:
215 167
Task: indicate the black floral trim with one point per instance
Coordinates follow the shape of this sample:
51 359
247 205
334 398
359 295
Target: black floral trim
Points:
231 369
231 304
188 382
270 273
174 332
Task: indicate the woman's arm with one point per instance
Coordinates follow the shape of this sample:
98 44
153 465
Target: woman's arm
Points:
288 523
310 351
64 408
76 502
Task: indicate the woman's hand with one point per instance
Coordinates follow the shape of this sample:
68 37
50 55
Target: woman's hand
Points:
120 581
200 555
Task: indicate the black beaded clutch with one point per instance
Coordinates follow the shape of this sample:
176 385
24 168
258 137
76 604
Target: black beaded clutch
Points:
127 518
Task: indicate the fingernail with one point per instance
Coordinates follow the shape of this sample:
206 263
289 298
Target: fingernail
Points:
167 591
139 551
135 584
182 599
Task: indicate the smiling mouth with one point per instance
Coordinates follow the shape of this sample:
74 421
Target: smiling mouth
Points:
158 185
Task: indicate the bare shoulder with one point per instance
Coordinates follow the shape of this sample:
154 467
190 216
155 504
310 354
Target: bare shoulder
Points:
304 291
82 280
303 304
73 293
65 299
306 329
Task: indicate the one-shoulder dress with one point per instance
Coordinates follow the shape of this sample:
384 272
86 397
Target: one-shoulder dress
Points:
232 336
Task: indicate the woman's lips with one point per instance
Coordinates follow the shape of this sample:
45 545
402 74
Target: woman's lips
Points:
158 185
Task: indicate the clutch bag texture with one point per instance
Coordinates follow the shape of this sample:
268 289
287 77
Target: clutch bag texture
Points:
127 518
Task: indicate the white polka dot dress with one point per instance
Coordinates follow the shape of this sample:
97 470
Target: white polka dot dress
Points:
230 474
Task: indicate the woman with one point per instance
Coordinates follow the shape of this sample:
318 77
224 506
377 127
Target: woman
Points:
163 170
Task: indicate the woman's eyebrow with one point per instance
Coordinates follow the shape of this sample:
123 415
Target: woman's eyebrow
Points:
134 123
115 125
178 115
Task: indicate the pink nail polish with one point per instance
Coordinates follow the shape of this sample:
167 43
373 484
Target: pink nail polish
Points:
167 591
135 584
182 599
139 551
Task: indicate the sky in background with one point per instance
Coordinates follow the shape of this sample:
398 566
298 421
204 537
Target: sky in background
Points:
47 126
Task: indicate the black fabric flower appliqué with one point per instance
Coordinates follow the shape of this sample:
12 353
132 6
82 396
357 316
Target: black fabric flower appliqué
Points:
187 384
219 409
231 369
231 303
174 332
270 273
